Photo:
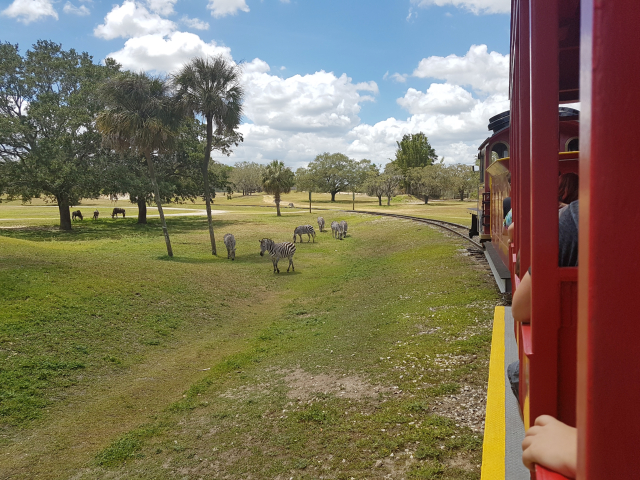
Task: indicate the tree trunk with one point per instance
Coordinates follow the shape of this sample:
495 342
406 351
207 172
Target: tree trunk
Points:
388 201
462 196
156 190
142 210
65 215
426 199
380 200
277 199
309 201
333 196
205 174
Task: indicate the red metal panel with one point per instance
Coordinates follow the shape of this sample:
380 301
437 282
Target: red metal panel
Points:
544 474
608 390
523 228
545 313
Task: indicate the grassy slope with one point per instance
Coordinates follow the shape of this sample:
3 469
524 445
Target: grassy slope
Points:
117 359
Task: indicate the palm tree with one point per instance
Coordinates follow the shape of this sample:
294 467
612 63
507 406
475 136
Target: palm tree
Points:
277 180
211 87
140 117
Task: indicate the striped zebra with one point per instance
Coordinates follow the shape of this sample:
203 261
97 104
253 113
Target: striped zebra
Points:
278 251
230 243
336 230
343 225
321 224
302 230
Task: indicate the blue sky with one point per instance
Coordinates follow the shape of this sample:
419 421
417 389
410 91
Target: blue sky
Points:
338 76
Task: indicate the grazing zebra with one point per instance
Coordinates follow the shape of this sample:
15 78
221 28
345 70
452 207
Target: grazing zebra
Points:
230 243
301 230
321 223
343 225
95 214
76 214
278 251
336 230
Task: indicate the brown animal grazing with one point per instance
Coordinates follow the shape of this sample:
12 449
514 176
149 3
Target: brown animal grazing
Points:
117 211
76 214
95 214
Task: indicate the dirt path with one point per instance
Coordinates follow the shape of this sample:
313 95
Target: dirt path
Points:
87 422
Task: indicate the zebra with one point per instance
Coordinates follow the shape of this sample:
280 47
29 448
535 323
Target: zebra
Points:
76 214
343 225
301 230
336 230
278 251
230 243
95 214
321 224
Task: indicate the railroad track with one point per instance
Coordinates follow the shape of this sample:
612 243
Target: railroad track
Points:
449 226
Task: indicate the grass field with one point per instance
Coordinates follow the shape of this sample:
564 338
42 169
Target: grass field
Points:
370 361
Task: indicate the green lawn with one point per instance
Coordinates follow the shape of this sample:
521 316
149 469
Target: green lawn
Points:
119 362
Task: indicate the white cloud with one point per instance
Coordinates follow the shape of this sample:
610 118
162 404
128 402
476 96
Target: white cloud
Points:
440 98
161 7
319 102
475 6
222 8
484 72
132 20
165 54
27 11
195 23
71 9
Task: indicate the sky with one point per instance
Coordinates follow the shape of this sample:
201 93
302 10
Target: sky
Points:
348 76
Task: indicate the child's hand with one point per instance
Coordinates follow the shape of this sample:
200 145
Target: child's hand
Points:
551 444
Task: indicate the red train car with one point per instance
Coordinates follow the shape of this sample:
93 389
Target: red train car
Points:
579 355
495 186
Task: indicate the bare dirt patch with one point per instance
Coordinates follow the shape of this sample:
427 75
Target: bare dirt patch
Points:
304 385
466 408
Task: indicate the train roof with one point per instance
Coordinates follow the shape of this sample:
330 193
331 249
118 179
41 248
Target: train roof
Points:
501 122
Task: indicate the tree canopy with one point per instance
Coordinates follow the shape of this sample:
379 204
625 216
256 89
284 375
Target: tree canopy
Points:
141 118
247 177
330 173
414 150
277 179
48 141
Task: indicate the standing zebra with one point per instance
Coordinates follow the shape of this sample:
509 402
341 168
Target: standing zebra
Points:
304 229
230 243
343 225
336 230
278 251
321 224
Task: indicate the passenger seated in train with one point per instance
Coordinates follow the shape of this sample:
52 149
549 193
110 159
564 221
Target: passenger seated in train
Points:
567 257
568 187
551 444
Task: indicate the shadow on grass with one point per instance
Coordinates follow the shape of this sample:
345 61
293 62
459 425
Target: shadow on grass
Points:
115 229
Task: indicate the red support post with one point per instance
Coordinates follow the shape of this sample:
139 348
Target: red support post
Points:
545 314
608 327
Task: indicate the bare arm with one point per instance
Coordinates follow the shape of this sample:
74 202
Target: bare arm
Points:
551 444
521 303
510 232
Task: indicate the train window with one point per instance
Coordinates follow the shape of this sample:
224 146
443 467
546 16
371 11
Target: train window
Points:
573 145
499 150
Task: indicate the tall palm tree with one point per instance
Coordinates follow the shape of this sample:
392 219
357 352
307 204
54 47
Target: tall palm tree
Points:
277 180
140 117
211 87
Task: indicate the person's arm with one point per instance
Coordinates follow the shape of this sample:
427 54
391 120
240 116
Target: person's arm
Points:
521 302
551 444
510 232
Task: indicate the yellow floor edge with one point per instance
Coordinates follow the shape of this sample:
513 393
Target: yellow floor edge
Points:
493 451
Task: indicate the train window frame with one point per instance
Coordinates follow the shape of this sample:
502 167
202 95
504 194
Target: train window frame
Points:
507 152
569 140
